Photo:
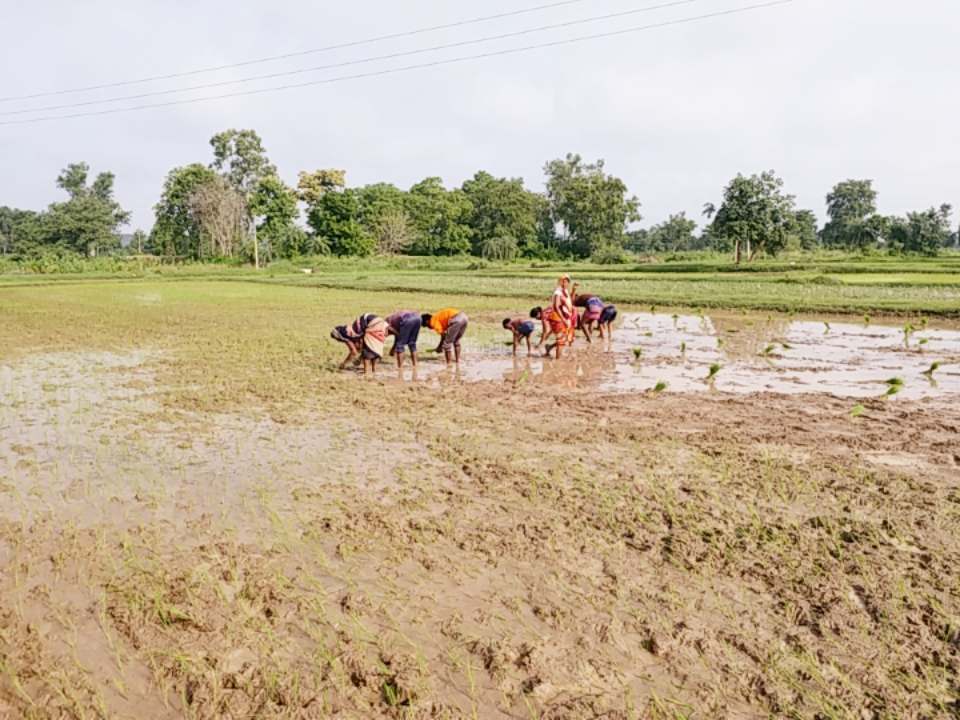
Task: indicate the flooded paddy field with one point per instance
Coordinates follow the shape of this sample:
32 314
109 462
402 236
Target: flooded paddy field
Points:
755 353
199 520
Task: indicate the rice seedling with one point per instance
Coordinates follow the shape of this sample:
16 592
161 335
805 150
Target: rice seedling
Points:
857 411
866 320
270 557
637 353
660 387
676 319
769 350
932 369
894 389
714 369
683 348
721 342
894 382
826 324
786 346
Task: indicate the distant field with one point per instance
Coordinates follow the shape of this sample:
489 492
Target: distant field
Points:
922 286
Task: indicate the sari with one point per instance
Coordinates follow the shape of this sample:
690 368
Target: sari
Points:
563 317
370 329
594 309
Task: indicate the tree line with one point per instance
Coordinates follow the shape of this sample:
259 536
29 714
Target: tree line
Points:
238 207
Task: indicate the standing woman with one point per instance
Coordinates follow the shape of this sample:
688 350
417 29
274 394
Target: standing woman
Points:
366 337
562 318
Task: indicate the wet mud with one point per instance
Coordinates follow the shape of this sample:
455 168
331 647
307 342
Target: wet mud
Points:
763 354
538 542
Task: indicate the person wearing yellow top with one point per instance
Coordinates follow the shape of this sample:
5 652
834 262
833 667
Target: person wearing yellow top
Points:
450 325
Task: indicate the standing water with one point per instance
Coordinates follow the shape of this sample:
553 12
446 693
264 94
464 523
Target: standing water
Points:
755 353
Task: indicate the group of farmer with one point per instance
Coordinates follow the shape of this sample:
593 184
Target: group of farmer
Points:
366 337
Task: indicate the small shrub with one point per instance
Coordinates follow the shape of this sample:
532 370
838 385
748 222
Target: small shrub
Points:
610 255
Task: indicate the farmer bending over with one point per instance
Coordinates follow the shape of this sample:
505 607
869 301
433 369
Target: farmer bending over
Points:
405 327
607 317
450 325
522 330
365 337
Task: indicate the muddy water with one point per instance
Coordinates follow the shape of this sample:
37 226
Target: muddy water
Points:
756 353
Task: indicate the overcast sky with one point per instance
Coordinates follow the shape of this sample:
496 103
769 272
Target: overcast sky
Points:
817 90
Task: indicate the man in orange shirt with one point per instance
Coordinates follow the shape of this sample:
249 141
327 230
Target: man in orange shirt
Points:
450 325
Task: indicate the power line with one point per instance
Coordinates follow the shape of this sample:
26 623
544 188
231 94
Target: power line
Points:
362 61
407 68
301 53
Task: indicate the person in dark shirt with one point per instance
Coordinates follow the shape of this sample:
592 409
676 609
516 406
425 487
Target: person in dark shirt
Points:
405 327
522 329
607 317
593 310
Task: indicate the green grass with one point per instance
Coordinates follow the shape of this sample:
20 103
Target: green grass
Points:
890 285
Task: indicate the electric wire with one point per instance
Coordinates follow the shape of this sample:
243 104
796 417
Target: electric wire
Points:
301 53
407 68
360 61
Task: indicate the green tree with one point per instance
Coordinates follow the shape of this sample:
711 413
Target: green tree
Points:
273 204
503 210
313 186
333 213
592 206
755 216
804 229
499 248
334 220
441 218
88 223
379 200
921 232
672 235
852 209
385 217
239 156
176 230
11 221
139 242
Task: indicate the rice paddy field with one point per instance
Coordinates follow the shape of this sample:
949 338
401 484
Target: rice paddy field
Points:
743 506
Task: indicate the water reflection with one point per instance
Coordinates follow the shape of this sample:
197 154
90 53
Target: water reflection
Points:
756 352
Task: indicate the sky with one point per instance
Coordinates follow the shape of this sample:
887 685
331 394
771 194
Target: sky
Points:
817 90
